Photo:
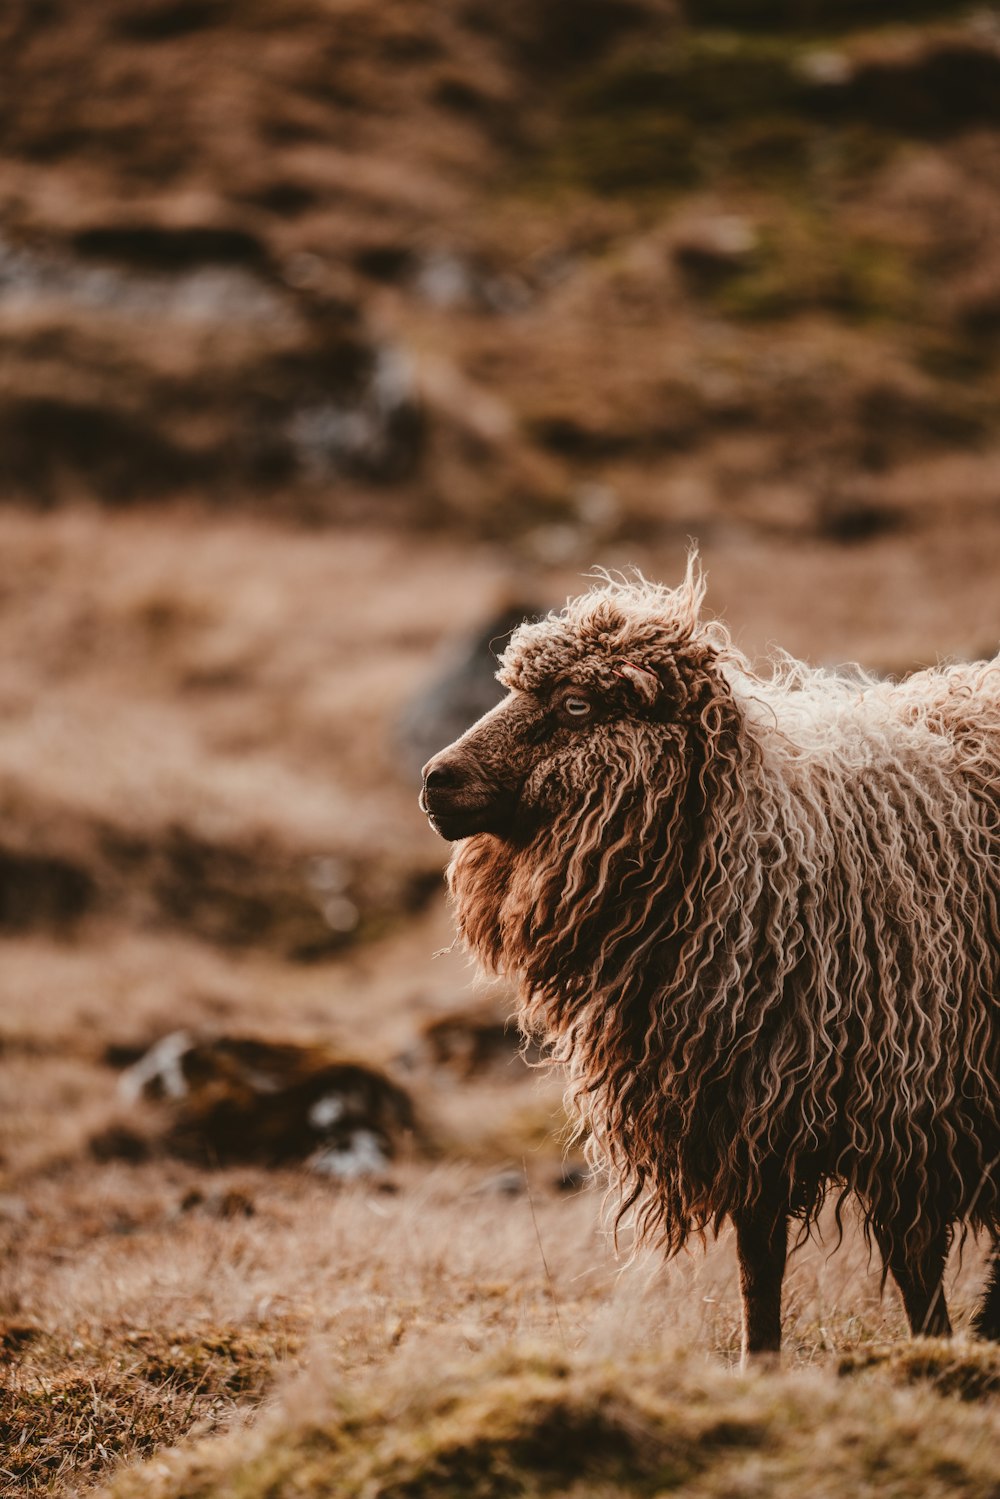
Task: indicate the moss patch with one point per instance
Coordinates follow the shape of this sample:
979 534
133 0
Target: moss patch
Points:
773 107
806 261
704 107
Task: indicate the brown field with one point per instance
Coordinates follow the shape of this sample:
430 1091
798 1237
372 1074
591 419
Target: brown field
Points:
325 330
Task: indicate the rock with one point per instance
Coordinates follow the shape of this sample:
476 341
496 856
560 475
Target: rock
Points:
320 395
509 1183
232 1203
362 1153
927 86
235 896
714 246
16 1336
231 1099
464 688
39 891
170 247
376 430
119 1142
573 1177
803 15
466 1041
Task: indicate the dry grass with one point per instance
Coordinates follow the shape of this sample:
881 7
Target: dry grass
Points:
536 1420
144 1313
74 1407
153 1304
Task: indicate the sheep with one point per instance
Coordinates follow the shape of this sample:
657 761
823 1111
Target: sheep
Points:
757 917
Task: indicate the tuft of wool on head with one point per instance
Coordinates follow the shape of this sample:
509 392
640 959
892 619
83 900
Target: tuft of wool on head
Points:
642 620
761 929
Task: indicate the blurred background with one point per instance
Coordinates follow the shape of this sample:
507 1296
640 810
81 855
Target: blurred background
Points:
332 330
333 335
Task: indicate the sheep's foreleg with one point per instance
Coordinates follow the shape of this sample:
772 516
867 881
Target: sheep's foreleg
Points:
920 1283
762 1245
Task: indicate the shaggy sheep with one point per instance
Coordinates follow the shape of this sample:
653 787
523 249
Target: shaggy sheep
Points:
759 921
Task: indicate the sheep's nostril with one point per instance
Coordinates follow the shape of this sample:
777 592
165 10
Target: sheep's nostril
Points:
442 778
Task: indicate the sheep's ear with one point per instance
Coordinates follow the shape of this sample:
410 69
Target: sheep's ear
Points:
645 682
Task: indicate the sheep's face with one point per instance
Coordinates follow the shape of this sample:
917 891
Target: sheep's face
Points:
591 698
480 784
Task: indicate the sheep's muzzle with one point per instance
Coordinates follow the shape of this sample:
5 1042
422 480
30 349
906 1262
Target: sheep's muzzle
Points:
460 799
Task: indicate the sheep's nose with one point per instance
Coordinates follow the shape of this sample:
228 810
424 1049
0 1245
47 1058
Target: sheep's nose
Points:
441 775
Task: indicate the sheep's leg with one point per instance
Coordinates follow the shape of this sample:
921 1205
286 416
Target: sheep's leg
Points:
762 1246
920 1283
986 1322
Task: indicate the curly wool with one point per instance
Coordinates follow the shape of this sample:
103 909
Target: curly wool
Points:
763 929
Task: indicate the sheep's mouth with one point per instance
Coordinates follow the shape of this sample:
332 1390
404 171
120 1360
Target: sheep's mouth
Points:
454 821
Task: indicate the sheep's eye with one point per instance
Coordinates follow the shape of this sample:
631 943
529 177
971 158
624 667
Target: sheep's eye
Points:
576 707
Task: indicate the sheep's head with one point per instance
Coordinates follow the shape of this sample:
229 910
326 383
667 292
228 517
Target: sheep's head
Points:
602 691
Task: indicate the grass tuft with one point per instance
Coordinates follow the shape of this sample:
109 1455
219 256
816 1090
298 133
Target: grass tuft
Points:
83 1413
533 1424
968 1370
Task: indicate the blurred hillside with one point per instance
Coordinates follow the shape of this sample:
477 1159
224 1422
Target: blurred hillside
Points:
572 282
565 273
